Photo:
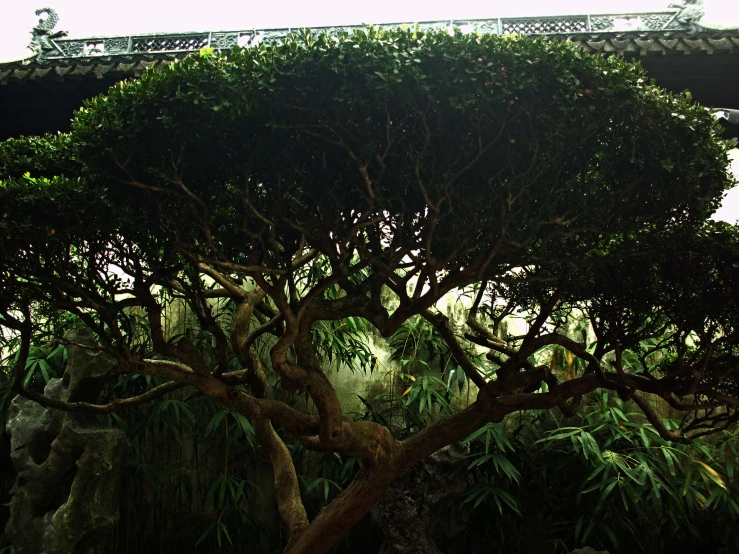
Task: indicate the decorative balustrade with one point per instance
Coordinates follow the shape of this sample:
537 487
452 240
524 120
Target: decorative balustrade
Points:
60 48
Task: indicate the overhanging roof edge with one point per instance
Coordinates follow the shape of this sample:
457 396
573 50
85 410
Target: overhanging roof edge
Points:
640 32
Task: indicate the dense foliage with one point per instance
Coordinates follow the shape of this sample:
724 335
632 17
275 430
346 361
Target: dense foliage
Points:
195 480
284 191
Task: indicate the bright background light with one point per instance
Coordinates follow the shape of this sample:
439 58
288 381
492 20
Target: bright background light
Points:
729 210
87 19
84 18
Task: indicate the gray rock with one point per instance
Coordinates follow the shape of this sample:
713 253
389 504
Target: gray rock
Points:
88 369
417 506
588 550
69 468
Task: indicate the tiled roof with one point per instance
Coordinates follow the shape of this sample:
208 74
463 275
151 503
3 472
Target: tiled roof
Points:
118 66
60 58
661 42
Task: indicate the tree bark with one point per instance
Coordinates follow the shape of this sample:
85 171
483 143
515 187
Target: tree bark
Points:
346 509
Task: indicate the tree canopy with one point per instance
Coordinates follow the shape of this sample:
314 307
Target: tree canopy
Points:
300 181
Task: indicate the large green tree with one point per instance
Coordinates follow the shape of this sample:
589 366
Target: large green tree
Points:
301 181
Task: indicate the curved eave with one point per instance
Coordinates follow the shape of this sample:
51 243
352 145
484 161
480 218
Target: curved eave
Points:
116 67
121 66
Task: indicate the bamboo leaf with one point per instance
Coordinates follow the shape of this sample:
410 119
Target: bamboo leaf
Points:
711 474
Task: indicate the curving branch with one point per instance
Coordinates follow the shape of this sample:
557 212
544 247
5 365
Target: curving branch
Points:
114 406
287 487
26 329
228 285
655 420
441 324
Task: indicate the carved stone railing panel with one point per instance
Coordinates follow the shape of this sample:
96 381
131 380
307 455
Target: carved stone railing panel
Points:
489 27
546 26
601 22
658 21
95 48
273 35
67 49
225 41
117 45
172 43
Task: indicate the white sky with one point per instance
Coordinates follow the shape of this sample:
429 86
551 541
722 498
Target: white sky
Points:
87 19
729 210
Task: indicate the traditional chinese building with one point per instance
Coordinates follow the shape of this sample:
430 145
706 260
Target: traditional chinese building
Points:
40 92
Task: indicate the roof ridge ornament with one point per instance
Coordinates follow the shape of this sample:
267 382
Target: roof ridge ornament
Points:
43 33
49 22
731 116
690 14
